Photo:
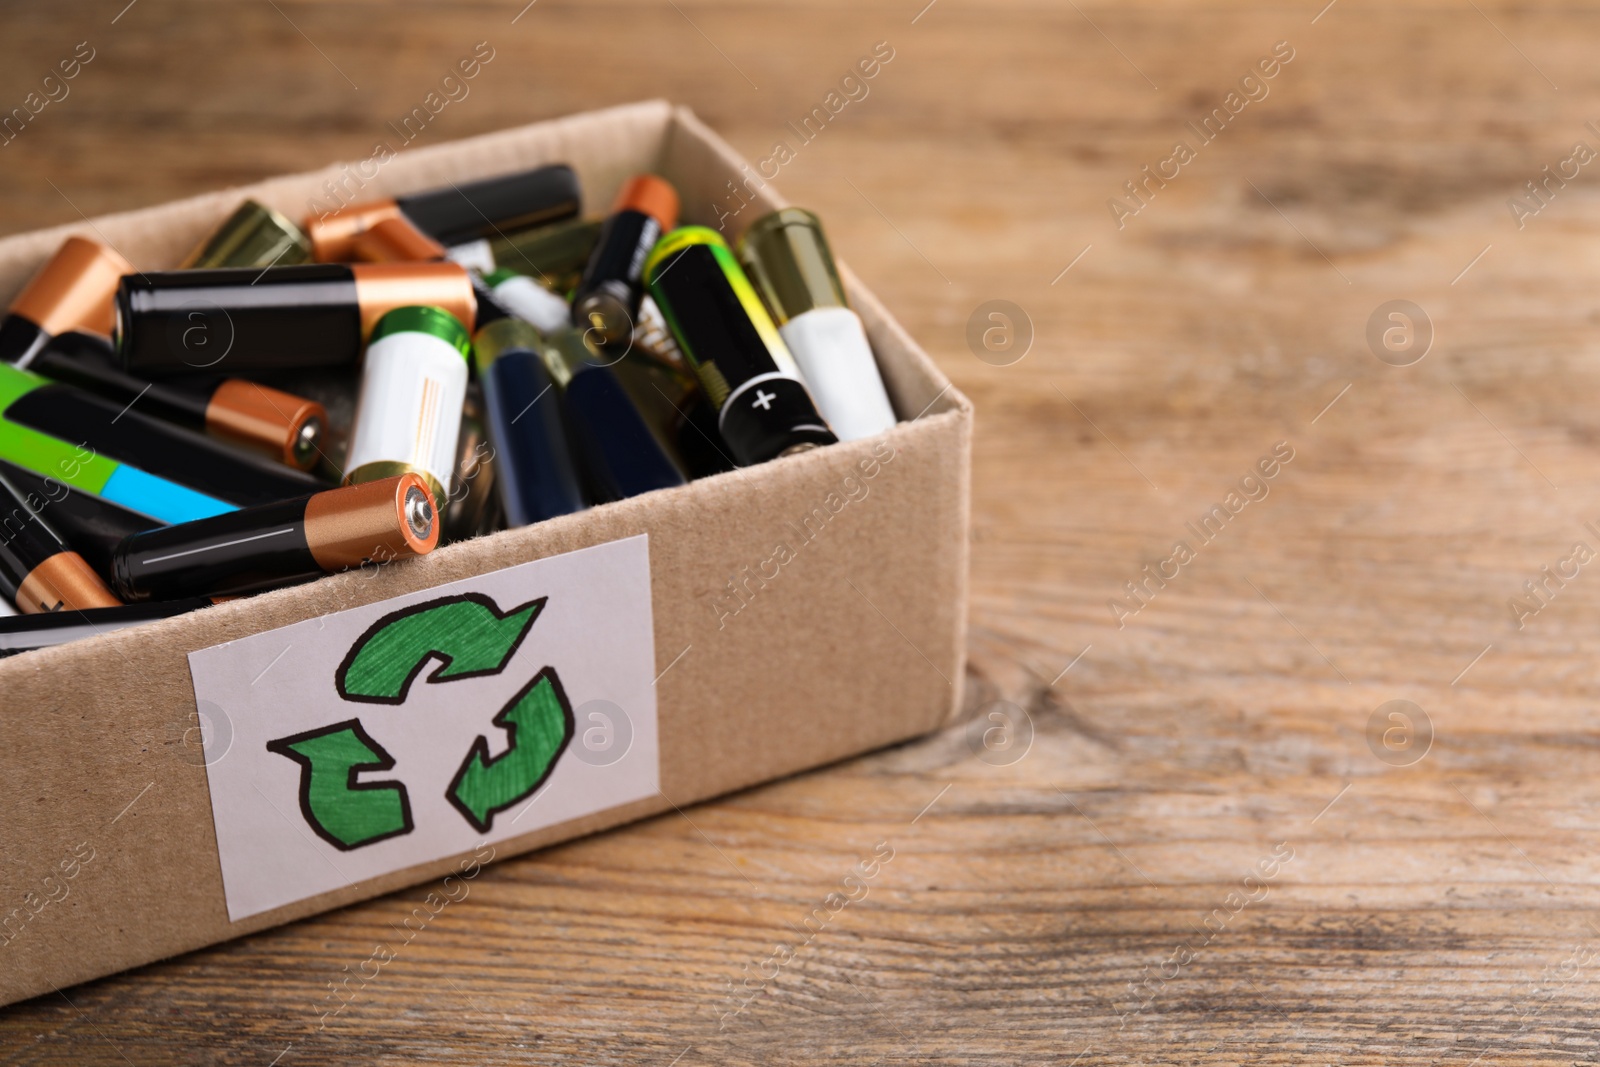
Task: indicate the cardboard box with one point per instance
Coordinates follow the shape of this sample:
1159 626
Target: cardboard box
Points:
768 665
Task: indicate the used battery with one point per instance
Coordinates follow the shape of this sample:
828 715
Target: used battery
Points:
74 290
274 318
528 300
607 297
763 407
408 415
252 416
534 471
276 544
618 450
38 571
470 509
121 483
25 633
789 261
451 216
555 255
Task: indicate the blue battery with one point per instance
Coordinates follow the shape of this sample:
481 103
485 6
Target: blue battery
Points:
534 472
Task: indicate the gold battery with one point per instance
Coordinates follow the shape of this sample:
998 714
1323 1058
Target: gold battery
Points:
788 259
253 236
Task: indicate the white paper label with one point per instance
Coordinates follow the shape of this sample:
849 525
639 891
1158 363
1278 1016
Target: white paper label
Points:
370 740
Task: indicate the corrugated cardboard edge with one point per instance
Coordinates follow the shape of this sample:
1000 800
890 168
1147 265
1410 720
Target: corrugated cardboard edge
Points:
154 889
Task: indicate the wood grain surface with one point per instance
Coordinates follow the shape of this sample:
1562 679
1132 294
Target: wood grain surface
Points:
1191 835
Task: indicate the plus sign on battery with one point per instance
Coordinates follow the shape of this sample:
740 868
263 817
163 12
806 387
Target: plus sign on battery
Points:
763 400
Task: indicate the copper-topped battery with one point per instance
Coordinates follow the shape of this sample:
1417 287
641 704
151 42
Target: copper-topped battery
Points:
396 241
375 232
276 318
64 582
259 417
382 287
38 570
445 216
74 290
268 421
280 543
384 520
333 236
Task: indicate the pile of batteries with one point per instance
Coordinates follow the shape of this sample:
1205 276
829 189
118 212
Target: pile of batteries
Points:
395 374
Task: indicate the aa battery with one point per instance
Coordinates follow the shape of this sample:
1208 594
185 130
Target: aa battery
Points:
110 429
763 408
26 633
253 236
275 318
528 300
92 526
450 216
788 259
255 417
618 450
555 255
534 471
607 298
38 571
286 427
74 290
276 544
408 414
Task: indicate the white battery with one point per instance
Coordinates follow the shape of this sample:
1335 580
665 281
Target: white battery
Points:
835 358
408 416
533 303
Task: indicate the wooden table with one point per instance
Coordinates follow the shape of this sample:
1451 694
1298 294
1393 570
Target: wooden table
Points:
1100 893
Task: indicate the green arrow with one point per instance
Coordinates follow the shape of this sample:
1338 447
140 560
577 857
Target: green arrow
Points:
344 812
538 723
467 633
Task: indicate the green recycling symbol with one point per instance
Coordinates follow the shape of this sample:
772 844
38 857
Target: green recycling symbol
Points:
470 637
